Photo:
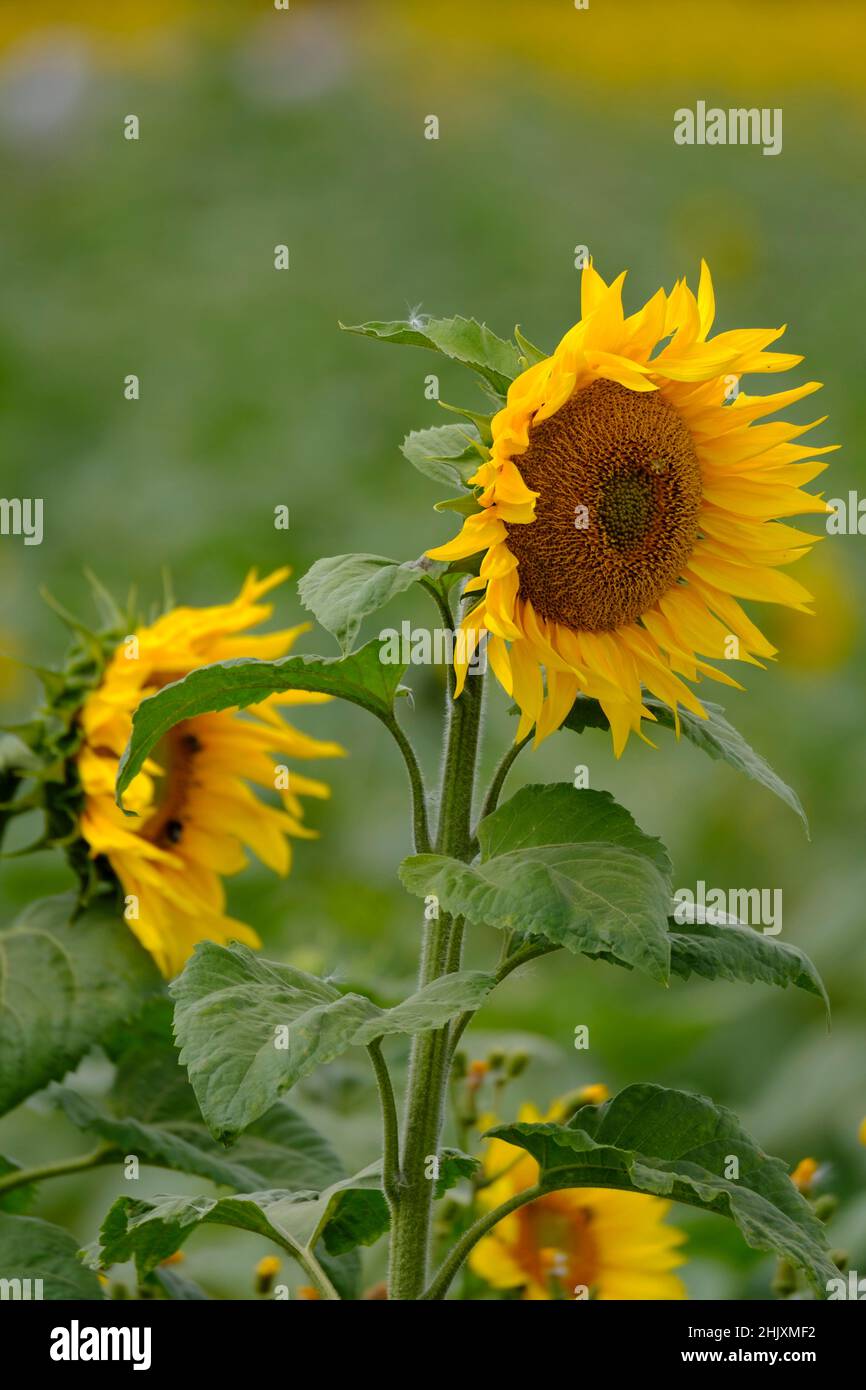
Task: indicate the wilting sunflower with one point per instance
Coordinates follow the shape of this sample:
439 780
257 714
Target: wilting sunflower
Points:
628 503
195 811
614 1244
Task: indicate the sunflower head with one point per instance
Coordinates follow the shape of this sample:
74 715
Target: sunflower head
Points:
194 811
615 1245
629 501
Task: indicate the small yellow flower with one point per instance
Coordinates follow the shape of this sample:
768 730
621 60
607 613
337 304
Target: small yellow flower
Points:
176 1258
628 503
195 811
308 1294
476 1073
614 1244
267 1270
861 1132
804 1174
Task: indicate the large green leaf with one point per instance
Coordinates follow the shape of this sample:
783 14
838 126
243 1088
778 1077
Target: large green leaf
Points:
567 865
151 1112
556 813
363 678
231 1003
714 735
280 1147
595 899
31 1249
674 1144
342 590
349 1213
63 985
732 951
445 453
496 360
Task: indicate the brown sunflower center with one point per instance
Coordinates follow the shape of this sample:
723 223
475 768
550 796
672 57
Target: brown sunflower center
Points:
556 1245
177 756
619 493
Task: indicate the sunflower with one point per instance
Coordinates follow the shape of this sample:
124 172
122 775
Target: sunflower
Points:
628 503
195 811
614 1244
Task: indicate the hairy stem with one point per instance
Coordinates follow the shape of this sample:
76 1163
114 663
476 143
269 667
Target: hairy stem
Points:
428 1070
421 829
440 600
391 1163
439 1286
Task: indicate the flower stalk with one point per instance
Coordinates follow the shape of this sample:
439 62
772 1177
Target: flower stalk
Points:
430 1059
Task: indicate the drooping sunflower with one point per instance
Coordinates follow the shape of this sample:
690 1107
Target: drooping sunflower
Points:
628 503
196 812
614 1244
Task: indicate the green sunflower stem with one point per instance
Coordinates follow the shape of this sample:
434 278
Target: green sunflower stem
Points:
430 1060
440 1285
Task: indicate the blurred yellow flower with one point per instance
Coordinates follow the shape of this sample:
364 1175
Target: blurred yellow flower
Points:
593 1095
614 1244
825 643
861 1132
606 46
804 1174
195 810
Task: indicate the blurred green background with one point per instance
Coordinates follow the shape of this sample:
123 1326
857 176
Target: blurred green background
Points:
155 257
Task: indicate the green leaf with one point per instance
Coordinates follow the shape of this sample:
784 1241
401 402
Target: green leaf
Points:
714 735
233 1008
16 755
445 453
465 505
454 1166
530 350
464 340
362 678
594 899
20 1198
556 813
33 1249
281 1146
567 865
349 1213
342 590
732 951
674 1144
63 985
152 1113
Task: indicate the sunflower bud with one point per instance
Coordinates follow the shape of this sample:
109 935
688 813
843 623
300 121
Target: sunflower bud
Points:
826 1206
517 1064
267 1270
